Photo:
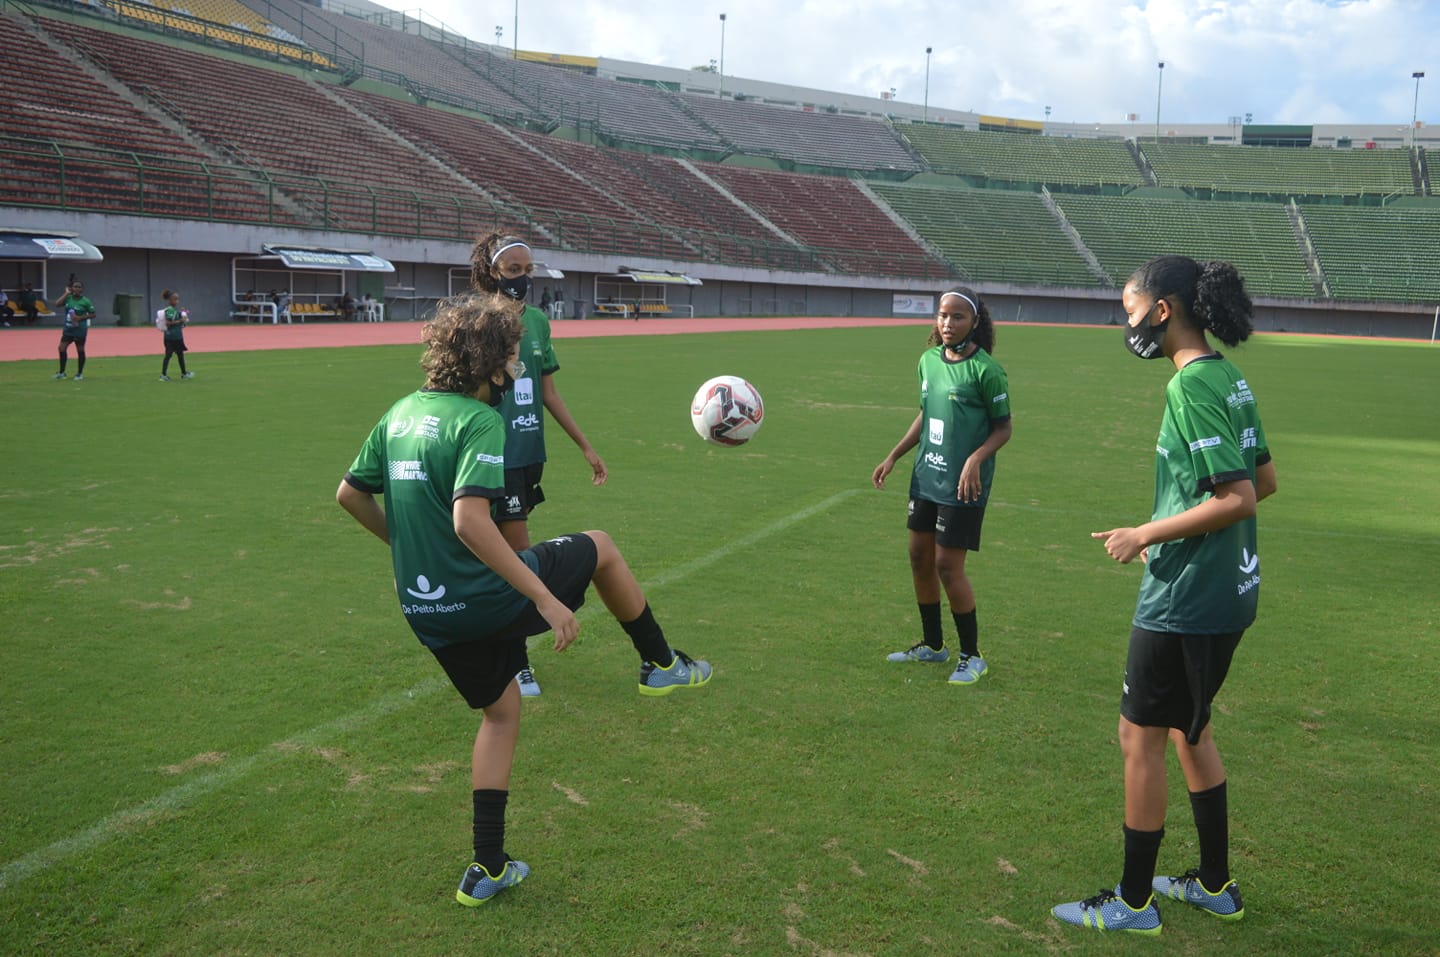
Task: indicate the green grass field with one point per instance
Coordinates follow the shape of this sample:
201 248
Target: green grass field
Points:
217 736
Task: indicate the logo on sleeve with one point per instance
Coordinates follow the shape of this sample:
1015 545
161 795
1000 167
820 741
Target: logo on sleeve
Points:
1248 439
1208 442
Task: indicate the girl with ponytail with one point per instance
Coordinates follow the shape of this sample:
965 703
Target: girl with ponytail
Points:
1199 589
963 421
502 264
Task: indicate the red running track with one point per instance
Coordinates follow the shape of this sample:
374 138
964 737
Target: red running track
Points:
43 343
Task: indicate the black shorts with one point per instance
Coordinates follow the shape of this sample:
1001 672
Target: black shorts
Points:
66 338
174 346
481 669
1170 679
954 526
522 493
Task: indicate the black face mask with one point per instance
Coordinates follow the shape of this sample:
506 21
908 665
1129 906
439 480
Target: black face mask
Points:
517 288
498 392
1145 340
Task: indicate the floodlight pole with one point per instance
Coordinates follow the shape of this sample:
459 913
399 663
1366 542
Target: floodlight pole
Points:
722 56
1159 84
925 114
515 32
1417 76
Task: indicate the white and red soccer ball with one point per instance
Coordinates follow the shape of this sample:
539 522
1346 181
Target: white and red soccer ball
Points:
727 410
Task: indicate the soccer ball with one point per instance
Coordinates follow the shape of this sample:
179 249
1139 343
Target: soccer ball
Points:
727 410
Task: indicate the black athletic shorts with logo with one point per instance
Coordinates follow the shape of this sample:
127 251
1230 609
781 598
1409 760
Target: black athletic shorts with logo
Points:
481 669
522 493
954 526
1171 679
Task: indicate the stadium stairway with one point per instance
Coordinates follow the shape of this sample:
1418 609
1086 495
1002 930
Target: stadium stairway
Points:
1307 248
383 130
1071 233
594 183
904 224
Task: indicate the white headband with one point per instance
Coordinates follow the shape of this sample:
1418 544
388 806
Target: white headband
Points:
516 244
962 296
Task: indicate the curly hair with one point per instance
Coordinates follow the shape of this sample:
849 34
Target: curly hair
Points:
1212 295
482 256
984 334
469 340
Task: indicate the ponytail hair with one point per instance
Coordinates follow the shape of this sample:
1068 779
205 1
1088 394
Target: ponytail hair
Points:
482 257
984 334
1212 295
166 294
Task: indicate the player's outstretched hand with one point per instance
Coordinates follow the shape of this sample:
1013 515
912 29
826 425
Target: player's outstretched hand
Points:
1122 544
877 477
597 468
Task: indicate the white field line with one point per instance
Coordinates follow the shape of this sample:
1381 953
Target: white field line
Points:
178 797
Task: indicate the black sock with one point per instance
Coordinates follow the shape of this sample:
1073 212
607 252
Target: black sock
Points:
930 626
969 632
648 639
1141 850
165 366
489 829
181 357
1212 825
80 364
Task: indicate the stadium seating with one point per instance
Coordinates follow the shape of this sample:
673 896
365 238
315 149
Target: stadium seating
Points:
1024 158
1389 253
832 214
821 140
622 112
280 123
226 21
99 133
1257 237
1281 171
995 235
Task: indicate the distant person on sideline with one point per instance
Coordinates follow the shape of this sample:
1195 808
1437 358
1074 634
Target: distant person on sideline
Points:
172 320
78 311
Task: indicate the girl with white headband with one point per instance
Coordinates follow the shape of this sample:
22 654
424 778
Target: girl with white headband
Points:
963 421
503 264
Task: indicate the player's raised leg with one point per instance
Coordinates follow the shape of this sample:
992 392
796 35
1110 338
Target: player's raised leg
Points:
662 668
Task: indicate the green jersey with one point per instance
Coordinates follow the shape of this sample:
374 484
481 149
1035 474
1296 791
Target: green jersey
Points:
523 408
430 449
79 310
175 333
960 401
1211 434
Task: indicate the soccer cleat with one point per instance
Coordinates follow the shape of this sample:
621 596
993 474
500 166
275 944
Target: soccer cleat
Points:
920 652
477 886
164 378
683 672
1225 904
188 375
529 687
1108 911
968 670
79 377
59 375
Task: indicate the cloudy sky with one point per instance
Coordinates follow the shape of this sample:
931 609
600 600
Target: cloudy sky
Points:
1283 61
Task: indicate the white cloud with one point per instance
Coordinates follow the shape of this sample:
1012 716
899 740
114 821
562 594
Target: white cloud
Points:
1284 61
